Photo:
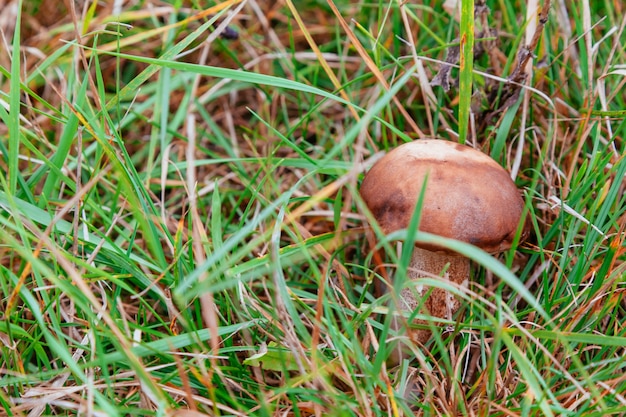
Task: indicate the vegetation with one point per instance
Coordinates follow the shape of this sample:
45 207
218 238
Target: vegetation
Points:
181 229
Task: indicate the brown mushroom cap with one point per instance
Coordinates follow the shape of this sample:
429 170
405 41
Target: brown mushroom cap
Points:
469 197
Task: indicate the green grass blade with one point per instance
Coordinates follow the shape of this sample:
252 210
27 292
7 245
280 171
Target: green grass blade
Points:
15 105
466 67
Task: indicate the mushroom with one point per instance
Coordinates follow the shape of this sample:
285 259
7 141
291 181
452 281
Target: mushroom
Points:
469 197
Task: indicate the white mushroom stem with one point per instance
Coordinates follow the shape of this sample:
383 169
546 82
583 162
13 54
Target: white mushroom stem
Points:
440 303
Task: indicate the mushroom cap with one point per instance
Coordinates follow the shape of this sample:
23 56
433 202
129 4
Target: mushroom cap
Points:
469 196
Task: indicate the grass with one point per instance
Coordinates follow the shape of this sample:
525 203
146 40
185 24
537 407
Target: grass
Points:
181 230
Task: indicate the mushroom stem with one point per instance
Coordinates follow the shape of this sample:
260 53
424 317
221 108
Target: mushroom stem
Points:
440 303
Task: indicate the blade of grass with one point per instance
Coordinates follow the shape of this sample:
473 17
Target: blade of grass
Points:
466 67
15 105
